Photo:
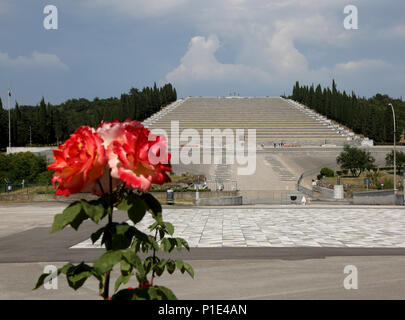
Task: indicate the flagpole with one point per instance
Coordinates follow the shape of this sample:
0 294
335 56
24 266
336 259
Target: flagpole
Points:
9 120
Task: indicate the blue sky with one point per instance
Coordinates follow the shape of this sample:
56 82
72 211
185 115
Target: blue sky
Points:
205 48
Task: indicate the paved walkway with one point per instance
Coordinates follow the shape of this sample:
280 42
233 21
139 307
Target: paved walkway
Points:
292 227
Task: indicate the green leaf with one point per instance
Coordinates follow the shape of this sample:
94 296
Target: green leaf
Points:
165 245
166 293
41 280
131 294
189 269
65 268
150 293
154 294
178 244
159 267
153 205
135 206
132 258
122 236
153 226
126 267
137 211
141 240
169 227
153 243
96 235
121 280
94 209
73 215
77 276
107 261
170 266
183 243
180 265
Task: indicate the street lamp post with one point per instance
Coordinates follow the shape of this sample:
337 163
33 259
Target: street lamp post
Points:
395 153
9 120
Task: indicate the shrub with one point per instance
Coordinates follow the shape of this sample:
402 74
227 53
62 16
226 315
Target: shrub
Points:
327 172
45 177
23 165
356 160
388 183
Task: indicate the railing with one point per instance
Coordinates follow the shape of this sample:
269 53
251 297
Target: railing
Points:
222 185
26 189
308 173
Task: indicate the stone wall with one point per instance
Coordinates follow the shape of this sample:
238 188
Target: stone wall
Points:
330 193
158 195
380 197
228 201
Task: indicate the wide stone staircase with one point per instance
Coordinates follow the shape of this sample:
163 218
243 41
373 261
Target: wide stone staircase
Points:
276 120
280 124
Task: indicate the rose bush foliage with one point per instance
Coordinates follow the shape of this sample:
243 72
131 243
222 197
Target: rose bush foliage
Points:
118 161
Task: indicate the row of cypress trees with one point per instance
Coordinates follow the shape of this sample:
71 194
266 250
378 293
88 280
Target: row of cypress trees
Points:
47 124
371 117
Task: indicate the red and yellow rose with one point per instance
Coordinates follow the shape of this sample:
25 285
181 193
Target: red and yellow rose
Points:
132 154
80 162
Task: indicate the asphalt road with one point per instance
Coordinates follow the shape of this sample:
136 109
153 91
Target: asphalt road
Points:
221 273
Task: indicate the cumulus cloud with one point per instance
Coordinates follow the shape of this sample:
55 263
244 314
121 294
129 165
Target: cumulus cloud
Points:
277 42
200 64
363 65
35 60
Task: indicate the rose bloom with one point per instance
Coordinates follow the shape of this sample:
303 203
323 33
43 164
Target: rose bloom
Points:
80 161
134 155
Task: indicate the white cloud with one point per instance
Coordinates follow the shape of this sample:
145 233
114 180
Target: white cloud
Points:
137 8
364 65
200 64
35 60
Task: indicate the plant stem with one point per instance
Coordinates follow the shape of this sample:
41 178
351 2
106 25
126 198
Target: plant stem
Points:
153 259
101 186
108 243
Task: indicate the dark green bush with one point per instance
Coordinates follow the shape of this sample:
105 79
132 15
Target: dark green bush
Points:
388 183
45 177
23 165
327 172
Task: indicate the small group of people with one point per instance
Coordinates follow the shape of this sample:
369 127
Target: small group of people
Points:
305 201
281 144
8 186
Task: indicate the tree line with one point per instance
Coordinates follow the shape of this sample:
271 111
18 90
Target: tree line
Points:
25 166
47 124
370 117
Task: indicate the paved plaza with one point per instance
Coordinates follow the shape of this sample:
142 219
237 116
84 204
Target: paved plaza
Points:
289 227
238 253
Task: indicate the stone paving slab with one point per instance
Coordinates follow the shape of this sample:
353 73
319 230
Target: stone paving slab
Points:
295 227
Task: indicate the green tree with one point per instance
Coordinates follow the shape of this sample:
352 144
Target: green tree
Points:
356 160
400 159
19 166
